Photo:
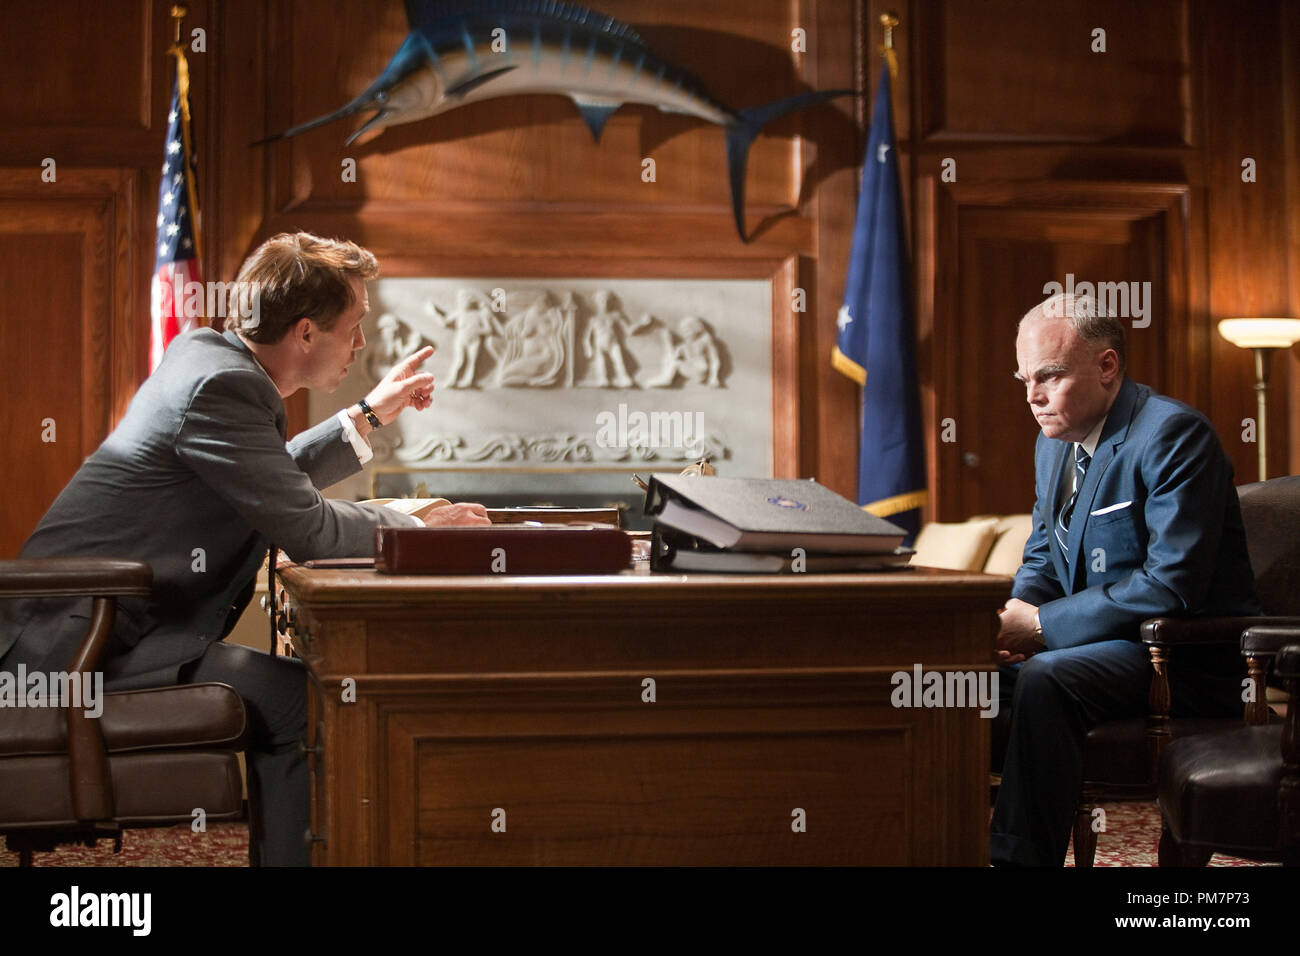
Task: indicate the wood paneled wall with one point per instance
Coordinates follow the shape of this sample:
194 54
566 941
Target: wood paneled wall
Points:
1117 166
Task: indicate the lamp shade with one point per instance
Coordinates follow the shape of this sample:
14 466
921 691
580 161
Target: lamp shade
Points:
1261 333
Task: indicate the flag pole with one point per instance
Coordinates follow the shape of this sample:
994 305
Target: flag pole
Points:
179 12
889 20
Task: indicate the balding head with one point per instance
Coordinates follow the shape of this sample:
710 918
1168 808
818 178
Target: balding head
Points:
1071 362
1089 323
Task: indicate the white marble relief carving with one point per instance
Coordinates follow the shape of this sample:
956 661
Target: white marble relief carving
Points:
553 448
602 343
532 339
396 341
526 368
474 323
691 352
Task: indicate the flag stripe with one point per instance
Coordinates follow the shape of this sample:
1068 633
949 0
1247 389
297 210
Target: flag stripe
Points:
898 503
842 363
173 309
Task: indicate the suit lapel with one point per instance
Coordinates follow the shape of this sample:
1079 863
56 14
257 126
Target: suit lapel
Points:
1113 434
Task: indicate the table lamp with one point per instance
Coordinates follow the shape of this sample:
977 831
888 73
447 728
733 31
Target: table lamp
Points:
1262 335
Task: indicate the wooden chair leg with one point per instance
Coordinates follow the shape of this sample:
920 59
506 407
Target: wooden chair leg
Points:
1173 853
1085 838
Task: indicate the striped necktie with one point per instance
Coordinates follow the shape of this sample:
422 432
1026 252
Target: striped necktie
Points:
1081 459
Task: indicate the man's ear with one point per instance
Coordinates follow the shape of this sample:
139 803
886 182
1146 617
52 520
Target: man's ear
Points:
1109 362
303 332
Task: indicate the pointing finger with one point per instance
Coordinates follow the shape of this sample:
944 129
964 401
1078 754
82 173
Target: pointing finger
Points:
420 382
412 362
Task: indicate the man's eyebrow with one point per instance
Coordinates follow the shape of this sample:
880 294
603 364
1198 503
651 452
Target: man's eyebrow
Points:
1040 372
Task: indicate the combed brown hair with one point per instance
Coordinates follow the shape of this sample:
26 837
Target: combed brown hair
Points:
296 275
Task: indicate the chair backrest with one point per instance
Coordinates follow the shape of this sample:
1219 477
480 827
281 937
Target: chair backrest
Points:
1270 511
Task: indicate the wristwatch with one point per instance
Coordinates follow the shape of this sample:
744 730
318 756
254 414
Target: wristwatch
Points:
1038 630
370 414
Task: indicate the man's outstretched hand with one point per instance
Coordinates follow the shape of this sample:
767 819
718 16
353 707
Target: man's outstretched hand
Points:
461 513
403 387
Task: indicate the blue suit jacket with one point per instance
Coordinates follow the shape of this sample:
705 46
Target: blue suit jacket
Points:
1156 530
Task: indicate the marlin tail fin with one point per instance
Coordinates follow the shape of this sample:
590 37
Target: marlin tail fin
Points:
742 133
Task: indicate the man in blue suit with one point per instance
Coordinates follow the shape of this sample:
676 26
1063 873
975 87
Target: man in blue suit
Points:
1136 517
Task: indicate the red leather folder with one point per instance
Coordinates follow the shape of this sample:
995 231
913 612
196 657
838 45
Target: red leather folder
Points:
503 549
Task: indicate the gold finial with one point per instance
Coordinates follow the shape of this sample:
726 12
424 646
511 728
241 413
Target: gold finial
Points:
889 20
179 13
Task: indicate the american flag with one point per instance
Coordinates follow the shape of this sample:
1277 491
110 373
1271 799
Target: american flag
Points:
176 252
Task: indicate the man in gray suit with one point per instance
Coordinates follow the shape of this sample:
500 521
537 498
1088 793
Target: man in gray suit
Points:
197 480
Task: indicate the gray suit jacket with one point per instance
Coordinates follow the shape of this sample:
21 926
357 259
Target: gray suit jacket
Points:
195 480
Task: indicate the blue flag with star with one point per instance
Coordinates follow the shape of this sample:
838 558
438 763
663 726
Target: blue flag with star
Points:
877 341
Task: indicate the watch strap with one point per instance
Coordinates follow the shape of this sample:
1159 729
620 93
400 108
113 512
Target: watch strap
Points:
370 414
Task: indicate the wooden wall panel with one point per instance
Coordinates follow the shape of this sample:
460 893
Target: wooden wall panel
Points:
68 330
516 186
998 246
1056 88
531 148
974 89
1005 87
102 52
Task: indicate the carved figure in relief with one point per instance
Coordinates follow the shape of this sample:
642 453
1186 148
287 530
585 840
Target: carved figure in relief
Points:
691 353
534 348
474 322
601 343
396 340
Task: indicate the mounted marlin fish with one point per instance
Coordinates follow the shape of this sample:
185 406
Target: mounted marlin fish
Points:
460 53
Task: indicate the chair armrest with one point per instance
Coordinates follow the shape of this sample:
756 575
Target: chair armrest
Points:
1167 631
71 577
105 580
1288 662
1270 638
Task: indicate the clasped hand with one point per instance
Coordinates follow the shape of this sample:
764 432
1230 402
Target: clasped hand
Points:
1017 638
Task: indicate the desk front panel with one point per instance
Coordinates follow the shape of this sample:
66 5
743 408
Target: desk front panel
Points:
511 721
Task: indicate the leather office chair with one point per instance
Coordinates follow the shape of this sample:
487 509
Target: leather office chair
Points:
1238 791
150 759
1122 758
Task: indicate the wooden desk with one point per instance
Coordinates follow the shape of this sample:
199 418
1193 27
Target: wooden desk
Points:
477 695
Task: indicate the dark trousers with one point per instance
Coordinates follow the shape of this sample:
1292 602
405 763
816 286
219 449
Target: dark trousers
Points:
274 691
1048 705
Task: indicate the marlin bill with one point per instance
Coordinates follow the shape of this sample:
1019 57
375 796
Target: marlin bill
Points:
463 52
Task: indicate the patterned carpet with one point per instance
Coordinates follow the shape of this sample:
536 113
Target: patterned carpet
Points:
1130 839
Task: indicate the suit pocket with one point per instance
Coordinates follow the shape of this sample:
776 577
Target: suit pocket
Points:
1111 518
1112 543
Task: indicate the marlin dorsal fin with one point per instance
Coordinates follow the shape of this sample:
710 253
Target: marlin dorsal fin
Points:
422 13
596 111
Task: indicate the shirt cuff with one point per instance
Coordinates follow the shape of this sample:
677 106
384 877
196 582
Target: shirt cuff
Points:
353 437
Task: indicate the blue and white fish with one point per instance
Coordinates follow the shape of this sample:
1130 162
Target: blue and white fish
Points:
458 53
